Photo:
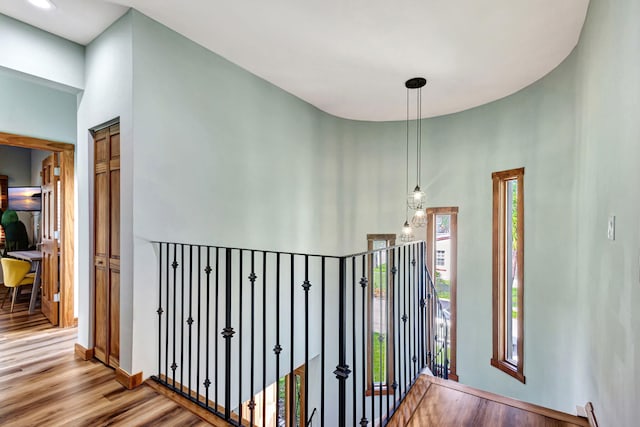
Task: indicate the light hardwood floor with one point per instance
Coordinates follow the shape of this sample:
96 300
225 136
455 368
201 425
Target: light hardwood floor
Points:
43 384
437 402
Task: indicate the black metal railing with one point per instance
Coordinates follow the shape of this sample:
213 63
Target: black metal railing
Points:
438 334
232 322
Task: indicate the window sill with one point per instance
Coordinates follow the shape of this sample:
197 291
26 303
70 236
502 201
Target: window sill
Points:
508 369
379 392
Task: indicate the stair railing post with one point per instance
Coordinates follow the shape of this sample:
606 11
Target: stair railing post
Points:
342 370
227 333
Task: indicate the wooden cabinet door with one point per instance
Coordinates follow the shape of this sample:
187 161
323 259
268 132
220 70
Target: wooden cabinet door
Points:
107 245
49 276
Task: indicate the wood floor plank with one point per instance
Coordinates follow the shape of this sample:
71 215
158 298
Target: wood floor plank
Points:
42 383
448 404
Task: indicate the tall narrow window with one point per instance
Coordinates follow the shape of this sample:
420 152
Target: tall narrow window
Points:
508 272
380 301
442 243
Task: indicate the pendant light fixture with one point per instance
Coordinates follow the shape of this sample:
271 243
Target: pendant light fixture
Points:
407 231
416 199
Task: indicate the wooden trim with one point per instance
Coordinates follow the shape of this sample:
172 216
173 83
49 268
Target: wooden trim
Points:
591 415
508 174
128 380
67 241
453 278
67 154
499 297
391 241
83 353
39 144
441 211
191 406
509 369
536 409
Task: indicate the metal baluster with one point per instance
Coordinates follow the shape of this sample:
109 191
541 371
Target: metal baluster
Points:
277 348
370 335
159 310
199 322
227 333
190 319
173 364
306 286
407 343
207 381
394 325
388 332
353 338
342 370
264 337
240 354
414 321
322 344
166 319
380 337
216 325
252 280
363 285
182 317
292 415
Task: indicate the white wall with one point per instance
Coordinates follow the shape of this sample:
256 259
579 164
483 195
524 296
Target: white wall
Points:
32 52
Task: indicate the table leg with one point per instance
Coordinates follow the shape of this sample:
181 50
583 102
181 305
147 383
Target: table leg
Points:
34 289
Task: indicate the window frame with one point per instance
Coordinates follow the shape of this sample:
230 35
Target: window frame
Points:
453 277
385 389
500 289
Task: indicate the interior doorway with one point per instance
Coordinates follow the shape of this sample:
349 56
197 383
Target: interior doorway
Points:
64 173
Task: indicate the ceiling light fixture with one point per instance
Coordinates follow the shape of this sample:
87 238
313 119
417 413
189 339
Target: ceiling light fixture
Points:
43 4
416 199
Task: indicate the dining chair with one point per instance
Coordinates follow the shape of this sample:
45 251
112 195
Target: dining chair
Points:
16 274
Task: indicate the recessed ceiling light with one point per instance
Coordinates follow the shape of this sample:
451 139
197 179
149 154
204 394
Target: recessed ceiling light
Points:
43 4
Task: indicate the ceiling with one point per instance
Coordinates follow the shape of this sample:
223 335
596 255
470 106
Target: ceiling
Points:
351 58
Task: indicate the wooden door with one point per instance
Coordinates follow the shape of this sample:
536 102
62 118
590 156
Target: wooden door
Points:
107 245
4 202
49 277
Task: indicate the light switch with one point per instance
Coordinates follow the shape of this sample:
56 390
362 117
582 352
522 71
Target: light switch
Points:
611 228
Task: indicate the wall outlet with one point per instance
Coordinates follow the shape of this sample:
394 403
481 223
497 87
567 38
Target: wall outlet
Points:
580 411
611 228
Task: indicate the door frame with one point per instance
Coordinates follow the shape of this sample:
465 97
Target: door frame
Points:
67 155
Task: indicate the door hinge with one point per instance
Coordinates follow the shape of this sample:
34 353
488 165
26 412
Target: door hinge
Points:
56 297
56 171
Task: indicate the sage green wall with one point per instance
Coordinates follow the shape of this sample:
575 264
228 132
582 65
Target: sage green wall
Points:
257 167
577 134
217 155
41 55
32 109
608 126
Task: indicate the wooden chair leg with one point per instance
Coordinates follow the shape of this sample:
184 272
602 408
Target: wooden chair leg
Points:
5 296
13 298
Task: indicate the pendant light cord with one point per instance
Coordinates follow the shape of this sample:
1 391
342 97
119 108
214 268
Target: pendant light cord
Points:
406 207
418 142
420 130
